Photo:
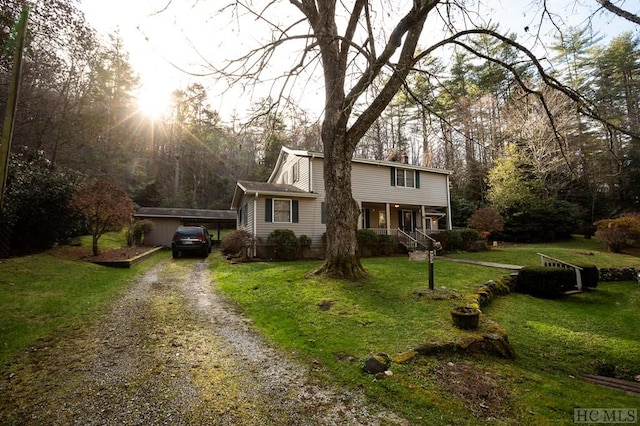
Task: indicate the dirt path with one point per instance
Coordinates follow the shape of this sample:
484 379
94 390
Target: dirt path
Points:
172 351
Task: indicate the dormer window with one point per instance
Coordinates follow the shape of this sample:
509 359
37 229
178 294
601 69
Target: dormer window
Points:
296 172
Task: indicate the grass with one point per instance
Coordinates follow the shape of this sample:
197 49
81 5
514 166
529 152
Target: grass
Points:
577 250
335 325
42 295
109 240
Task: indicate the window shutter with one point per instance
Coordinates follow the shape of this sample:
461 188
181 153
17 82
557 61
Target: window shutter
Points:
417 179
323 212
294 211
268 210
393 176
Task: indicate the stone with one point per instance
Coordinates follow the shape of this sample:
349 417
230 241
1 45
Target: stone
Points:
418 256
465 342
404 357
617 274
378 363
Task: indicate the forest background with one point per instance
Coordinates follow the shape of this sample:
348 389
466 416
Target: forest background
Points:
79 117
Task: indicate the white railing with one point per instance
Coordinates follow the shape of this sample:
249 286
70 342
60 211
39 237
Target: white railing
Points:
406 239
383 231
424 239
556 263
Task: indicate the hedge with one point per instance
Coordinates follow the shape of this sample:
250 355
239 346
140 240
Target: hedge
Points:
541 281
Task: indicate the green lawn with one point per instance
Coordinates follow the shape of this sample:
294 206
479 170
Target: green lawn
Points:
333 326
42 295
577 250
337 325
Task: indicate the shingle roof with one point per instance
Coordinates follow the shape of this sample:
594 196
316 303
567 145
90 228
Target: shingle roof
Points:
250 186
186 213
268 189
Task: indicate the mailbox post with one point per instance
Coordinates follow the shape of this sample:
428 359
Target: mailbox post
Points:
432 254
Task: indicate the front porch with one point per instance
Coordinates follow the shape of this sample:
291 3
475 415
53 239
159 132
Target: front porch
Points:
408 224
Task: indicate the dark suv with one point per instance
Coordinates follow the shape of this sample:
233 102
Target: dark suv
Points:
191 239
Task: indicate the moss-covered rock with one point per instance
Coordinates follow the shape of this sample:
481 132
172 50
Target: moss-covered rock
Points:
378 363
404 357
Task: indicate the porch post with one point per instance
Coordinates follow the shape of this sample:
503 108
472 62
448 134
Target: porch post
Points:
424 220
255 225
361 217
388 213
449 221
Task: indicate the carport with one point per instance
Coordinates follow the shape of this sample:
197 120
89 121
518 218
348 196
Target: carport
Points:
166 220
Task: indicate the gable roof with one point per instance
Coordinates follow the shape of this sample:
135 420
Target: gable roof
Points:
284 152
185 213
267 189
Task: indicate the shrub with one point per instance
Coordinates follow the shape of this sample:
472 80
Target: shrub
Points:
619 233
372 244
304 241
590 275
546 221
451 240
367 242
367 237
36 204
386 245
136 232
236 243
468 236
486 220
545 282
285 244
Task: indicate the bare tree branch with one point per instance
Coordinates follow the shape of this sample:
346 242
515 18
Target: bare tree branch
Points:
620 12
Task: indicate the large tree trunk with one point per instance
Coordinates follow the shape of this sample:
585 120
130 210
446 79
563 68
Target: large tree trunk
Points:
342 259
339 137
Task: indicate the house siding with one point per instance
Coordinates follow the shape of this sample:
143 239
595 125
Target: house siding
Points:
371 188
371 183
309 221
162 232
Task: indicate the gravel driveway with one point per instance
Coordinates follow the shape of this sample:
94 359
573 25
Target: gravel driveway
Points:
173 351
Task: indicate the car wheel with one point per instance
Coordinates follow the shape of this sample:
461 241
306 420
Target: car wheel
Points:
175 253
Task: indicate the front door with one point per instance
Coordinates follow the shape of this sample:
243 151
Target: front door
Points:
407 224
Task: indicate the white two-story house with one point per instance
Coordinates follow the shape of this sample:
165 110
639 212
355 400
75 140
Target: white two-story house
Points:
397 199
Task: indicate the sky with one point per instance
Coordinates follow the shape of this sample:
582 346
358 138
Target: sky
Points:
164 35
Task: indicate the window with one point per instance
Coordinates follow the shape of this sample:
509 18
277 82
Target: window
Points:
405 178
382 219
408 179
296 172
282 211
245 214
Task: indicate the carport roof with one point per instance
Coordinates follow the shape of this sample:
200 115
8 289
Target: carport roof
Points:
186 213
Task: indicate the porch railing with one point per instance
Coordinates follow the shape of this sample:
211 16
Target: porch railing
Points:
423 239
412 240
407 240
